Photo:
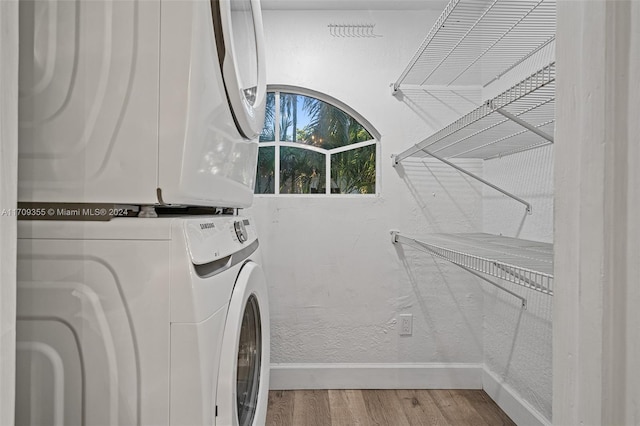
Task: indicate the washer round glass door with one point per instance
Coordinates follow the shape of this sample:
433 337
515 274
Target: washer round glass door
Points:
243 375
240 43
249 361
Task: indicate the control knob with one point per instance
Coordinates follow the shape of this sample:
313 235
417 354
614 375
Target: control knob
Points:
241 231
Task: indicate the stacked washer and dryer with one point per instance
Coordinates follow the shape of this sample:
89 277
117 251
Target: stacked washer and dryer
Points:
136 117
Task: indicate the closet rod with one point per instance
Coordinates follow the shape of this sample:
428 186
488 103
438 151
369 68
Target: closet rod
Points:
395 162
396 238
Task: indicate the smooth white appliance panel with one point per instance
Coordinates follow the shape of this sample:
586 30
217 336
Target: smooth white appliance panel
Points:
140 102
124 322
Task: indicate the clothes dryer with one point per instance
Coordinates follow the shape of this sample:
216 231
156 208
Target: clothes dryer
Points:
141 322
140 102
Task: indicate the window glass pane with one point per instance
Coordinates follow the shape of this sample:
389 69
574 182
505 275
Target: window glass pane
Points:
301 171
290 114
265 175
269 130
313 122
354 171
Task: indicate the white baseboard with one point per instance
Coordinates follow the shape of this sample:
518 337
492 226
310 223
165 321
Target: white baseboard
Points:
376 376
520 411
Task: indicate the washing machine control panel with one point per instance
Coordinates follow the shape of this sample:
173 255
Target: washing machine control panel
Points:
213 238
241 231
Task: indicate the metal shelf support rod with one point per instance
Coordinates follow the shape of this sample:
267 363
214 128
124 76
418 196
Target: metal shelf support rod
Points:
522 299
396 238
476 177
524 124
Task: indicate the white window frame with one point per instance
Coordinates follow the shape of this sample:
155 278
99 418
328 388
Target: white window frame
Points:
295 90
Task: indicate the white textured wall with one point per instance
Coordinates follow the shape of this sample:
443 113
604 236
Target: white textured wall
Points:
517 343
8 197
336 282
597 231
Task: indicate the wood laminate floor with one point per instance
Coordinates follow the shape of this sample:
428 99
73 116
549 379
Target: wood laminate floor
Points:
384 408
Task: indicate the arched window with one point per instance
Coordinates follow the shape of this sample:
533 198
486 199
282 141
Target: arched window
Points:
310 145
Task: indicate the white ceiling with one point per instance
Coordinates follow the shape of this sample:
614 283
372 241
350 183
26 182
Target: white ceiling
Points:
353 4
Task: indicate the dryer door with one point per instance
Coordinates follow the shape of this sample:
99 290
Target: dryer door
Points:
243 378
240 39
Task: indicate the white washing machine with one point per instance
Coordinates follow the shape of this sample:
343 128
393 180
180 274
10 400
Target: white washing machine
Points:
140 102
141 322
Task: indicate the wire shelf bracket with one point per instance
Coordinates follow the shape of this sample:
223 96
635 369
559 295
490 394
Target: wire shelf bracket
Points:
523 123
526 263
527 205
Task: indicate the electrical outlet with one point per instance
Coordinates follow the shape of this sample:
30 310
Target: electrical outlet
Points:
406 324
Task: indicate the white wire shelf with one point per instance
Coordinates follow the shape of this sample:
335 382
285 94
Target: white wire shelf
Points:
486 133
474 42
523 262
